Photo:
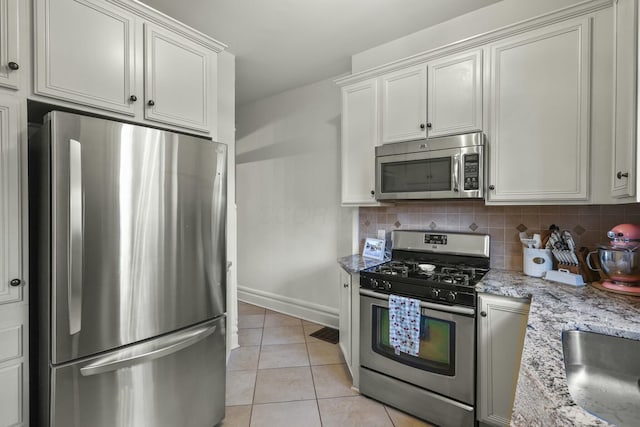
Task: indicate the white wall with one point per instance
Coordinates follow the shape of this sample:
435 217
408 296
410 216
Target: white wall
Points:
291 228
480 21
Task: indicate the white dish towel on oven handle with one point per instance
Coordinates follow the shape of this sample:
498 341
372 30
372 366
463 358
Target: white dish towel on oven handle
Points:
404 324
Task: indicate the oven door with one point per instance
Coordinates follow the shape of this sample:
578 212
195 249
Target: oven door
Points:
445 363
422 175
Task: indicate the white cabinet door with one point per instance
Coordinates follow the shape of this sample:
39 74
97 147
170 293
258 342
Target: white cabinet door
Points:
539 115
404 105
14 403
623 176
359 136
9 36
501 330
85 53
179 79
345 315
455 94
10 202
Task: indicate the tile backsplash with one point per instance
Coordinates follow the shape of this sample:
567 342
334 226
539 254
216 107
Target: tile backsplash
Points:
588 224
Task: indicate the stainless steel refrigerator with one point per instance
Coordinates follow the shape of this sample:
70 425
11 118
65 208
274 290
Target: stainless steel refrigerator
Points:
127 229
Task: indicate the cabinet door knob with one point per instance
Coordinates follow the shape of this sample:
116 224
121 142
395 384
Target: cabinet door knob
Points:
15 282
421 125
346 285
619 175
133 98
373 193
483 313
492 187
151 103
13 65
429 125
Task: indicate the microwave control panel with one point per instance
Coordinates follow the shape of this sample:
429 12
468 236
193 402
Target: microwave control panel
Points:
471 166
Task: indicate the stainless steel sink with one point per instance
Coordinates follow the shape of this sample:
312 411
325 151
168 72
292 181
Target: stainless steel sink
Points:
603 372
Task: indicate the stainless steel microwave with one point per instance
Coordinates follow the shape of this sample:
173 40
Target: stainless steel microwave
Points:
450 167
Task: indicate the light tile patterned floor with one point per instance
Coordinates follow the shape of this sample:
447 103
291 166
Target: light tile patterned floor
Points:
282 377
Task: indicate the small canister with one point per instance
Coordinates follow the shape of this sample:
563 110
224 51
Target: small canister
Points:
536 261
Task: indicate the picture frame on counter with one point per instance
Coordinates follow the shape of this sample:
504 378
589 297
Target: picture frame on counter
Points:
373 248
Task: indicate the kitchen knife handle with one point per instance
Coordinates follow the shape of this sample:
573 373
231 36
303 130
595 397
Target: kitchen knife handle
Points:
76 232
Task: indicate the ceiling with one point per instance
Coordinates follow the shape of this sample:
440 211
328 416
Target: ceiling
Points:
283 44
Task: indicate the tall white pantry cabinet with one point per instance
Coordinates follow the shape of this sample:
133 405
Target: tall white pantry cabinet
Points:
14 302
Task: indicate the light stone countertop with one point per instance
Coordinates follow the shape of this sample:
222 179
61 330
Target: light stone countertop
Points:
542 394
356 263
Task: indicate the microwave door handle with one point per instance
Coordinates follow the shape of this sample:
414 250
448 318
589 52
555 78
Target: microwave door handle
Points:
455 174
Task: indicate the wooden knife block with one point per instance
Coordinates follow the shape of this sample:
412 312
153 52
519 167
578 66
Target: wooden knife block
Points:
582 268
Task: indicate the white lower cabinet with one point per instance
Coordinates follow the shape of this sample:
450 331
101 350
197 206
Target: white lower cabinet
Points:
501 328
539 115
350 322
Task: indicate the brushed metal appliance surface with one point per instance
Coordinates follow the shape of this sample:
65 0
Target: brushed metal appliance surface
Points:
127 228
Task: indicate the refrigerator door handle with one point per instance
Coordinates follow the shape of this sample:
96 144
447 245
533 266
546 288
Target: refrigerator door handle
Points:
144 352
76 231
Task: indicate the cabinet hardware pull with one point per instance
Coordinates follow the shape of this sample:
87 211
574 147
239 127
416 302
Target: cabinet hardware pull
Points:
13 65
151 103
492 187
373 193
133 98
483 313
421 125
619 175
15 282
346 285
429 125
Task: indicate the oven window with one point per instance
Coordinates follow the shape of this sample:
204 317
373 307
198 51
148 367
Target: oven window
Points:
437 343
417 175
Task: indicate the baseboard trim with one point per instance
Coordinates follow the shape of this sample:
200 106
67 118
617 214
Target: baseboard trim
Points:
316 313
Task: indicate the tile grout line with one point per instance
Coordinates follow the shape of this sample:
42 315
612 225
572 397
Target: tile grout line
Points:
313 381
253 398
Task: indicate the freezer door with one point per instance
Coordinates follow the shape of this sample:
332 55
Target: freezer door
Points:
174 380
138 233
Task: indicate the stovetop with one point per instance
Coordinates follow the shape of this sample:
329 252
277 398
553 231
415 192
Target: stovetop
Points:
447 284
458 261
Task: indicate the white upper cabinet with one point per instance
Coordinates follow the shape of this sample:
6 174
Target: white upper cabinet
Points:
454 94
85 53
359 139
121 56
441 97
170 96
539 115
624 175
404 105
9 46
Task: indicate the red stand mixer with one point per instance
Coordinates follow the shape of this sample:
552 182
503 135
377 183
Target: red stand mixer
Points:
620 260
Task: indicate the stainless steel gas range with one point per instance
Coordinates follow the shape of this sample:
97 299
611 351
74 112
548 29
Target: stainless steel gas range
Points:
440 269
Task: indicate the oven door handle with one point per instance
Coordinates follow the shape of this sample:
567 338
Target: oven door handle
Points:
468 311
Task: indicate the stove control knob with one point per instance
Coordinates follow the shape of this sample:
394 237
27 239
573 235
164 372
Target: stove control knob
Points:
450 296
374 283
433 293
386 285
